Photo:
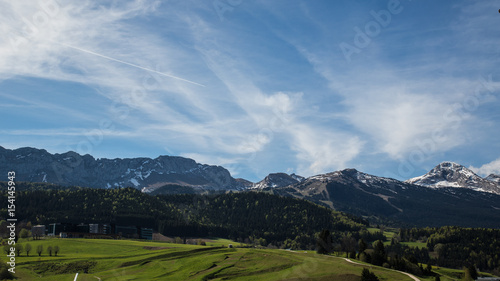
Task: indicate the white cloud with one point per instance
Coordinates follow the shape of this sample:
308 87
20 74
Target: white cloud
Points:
319 150
490 168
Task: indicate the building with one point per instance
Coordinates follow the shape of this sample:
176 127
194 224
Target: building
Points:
146 233
99 228
83 228
95 230
38 231
55 229
127 231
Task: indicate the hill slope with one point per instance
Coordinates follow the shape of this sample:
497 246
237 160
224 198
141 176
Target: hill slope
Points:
134 260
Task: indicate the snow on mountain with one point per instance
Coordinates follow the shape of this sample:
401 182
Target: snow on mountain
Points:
277 180
450 174
493 178
71 168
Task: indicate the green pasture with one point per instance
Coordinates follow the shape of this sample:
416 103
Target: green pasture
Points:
101 259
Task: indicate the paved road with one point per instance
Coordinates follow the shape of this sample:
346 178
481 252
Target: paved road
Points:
405 273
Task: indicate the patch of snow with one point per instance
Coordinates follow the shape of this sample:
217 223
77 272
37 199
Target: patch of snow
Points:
445 184
148 173
44 178
134 182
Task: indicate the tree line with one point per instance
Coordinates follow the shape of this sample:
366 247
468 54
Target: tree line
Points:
27 249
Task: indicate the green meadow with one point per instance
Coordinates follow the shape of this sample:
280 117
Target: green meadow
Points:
100 259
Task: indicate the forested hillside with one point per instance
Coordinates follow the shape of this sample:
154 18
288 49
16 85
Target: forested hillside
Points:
455 246
258 217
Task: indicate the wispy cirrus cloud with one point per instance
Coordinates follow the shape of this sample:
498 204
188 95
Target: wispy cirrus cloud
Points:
277 93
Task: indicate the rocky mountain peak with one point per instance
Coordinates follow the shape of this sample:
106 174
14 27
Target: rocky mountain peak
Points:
493 178
450 174
276 180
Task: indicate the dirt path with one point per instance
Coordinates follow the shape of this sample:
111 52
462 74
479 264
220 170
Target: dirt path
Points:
405 273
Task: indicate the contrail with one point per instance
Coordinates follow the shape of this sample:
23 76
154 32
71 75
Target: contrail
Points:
130 64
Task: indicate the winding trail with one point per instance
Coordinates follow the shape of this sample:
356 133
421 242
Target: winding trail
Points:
405 273
362 264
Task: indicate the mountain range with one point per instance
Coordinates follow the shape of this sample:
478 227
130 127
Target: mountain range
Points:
448 194
73 169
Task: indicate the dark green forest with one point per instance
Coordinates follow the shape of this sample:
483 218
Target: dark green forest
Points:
261 218
456 246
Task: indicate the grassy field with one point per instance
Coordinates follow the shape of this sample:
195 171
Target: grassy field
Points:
96 259
390 232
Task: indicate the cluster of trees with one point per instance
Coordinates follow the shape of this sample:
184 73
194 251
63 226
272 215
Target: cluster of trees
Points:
21 248
472 249
5 274
367 275
457 247
396 256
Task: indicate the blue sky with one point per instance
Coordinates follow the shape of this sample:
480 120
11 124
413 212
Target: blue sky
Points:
390 88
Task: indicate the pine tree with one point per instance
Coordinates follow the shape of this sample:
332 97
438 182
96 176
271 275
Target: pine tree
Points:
366 275
324 242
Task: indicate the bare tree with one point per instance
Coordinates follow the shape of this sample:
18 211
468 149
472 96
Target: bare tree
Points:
39 250
19 249
27 249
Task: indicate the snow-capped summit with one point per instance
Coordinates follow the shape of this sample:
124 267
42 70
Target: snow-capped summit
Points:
450 174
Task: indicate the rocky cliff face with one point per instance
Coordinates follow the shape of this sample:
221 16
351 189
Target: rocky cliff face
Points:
71 168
